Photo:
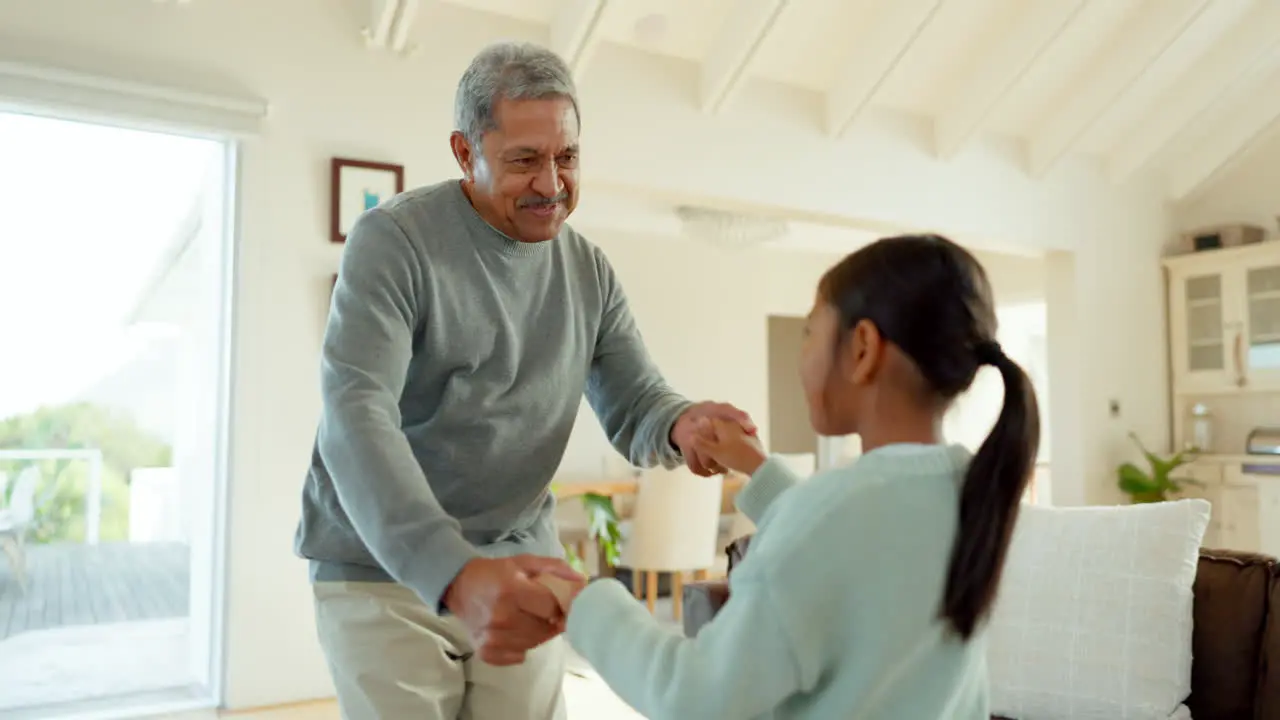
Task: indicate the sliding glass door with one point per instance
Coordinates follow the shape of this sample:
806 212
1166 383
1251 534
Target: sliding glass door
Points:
115 267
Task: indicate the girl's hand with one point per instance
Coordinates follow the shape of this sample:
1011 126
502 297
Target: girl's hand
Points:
729 445
564 589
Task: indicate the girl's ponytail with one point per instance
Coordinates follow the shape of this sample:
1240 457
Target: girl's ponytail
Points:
993 488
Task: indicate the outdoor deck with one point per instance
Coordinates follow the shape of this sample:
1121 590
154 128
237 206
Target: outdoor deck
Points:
72 584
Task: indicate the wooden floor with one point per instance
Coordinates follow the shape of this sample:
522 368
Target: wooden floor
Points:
73 584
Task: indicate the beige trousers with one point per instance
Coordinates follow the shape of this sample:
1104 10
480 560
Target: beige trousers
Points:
392 658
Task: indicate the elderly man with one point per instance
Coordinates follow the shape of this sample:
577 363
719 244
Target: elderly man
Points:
466 323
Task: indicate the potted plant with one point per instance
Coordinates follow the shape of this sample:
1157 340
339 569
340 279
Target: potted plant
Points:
603 529
1159 483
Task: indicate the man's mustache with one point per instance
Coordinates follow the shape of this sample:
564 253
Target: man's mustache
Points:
536 202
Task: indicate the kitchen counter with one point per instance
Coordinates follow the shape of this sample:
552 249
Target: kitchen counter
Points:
1241 459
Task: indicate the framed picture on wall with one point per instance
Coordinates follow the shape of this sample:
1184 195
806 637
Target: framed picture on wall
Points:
360 185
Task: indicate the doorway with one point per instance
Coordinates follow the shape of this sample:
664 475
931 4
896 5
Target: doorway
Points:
790 431
1023 334
115 268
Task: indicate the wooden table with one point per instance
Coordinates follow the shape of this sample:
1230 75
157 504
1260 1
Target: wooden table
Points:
612 488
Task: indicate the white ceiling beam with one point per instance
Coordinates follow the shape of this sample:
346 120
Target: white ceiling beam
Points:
382 17
1254 115
998 70
575 32
1133 51
876 54
727 66
390 25
1213 77
405 19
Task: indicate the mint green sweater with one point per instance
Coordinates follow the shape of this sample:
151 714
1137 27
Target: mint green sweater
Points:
834 613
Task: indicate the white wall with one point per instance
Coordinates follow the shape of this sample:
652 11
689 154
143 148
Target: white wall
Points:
708 330
1022 334
642 136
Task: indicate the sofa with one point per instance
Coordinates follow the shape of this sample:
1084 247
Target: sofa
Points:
1236 641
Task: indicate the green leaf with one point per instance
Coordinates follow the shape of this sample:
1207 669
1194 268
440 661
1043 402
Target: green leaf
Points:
597 504
1164 467
1134 481
1160 480
603 526
1150 456
574 561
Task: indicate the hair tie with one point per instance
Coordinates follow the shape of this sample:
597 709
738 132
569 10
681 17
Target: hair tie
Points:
988 352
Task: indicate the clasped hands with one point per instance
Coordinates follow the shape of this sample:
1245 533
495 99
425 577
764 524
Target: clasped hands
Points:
715 437
508 605
512 605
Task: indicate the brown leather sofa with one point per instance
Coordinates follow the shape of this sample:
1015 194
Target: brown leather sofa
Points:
1235 673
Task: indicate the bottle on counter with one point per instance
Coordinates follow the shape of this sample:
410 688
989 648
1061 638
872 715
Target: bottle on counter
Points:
1201 436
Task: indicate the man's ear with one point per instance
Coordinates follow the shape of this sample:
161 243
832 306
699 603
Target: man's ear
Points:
862 353
463 153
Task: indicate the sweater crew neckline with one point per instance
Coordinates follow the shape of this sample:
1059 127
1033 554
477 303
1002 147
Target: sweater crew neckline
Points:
487 235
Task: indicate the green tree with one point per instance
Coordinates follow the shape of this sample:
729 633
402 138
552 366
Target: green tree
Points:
61 496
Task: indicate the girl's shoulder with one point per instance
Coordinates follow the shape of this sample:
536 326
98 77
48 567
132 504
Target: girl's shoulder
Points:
877 495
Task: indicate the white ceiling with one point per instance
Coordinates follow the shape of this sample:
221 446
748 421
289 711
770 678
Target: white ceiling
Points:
1183 86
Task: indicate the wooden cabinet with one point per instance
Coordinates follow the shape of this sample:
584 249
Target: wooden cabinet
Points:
1269 514
1238 527
1209 475
1224 319
1237 501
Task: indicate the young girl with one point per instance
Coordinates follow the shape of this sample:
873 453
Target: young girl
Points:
866 589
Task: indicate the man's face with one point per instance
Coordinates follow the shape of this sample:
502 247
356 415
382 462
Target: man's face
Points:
524 178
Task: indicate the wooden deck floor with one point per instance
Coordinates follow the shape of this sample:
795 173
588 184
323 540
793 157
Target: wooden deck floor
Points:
72 584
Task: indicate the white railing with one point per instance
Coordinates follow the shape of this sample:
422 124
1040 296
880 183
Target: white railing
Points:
93 503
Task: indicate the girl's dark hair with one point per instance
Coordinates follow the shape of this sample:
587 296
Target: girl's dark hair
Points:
931 298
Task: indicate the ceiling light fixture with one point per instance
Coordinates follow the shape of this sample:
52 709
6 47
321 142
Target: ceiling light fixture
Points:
730 229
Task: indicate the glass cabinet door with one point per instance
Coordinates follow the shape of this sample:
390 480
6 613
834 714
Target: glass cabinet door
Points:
1205 350
1261 351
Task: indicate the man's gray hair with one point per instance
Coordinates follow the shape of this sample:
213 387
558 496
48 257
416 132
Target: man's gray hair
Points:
512 71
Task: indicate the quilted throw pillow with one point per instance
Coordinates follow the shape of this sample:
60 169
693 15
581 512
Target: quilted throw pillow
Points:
1093 619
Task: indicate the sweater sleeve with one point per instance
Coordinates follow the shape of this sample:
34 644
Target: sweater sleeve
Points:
636 407
743 664
366 355
770 480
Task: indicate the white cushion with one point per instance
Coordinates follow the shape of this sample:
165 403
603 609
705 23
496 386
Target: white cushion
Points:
1093 618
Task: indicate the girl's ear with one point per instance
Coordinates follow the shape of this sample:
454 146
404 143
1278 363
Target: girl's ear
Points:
863 351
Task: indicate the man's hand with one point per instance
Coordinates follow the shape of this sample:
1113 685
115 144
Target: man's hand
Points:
687 428
506 611
726 444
